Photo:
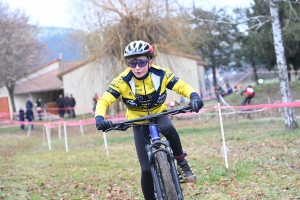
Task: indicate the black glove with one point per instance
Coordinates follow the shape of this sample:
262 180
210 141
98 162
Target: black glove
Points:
196 102
102 124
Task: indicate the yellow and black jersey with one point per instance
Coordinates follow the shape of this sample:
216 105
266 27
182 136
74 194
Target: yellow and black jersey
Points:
142 95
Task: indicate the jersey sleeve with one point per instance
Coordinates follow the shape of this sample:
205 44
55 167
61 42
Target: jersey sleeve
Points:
178 85
109 97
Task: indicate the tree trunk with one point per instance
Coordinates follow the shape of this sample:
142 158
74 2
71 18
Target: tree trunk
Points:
10 88
213 67
254 71
290 118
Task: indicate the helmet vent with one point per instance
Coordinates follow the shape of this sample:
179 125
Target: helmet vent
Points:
136 48
140 45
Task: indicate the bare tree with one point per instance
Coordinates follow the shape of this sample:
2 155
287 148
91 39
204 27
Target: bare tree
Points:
290 118
113 24
18 47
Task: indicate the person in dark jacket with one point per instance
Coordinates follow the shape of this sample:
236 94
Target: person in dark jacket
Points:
67 105
28 103
39 107
229 89
61 106
22 118
29 117
95 99
72 105
219 92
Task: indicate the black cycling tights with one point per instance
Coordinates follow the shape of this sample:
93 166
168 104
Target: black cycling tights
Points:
247 100
141 138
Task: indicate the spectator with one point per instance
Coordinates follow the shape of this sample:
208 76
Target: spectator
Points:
95 99
229 89
67 105
38 105
182 100
249 93
29 117
28 103
173 103
219 92
61 106
22 118
72 105
237 88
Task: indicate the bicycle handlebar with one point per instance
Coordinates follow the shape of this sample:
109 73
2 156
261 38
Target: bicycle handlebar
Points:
119 125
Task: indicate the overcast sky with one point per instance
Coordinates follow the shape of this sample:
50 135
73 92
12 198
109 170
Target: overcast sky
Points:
58 13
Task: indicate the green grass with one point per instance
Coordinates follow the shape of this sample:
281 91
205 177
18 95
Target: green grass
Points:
263 160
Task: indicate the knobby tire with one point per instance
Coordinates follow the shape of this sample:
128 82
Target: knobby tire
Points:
163 170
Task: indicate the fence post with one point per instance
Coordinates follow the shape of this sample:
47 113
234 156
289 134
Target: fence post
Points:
66 137
224 148
105 143
81 128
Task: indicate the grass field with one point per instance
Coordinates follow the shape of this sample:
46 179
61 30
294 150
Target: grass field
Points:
264 163
263 158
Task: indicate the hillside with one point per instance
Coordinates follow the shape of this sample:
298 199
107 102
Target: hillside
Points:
61 41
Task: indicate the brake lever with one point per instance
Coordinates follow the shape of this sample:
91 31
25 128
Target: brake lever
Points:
119 127
184 111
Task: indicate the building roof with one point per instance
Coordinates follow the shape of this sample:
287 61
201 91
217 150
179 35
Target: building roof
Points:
42 83
69 66
45 65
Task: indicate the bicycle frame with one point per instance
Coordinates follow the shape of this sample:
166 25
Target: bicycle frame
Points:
246 112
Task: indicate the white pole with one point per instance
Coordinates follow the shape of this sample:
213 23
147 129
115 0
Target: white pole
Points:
105 143
29 129
81 128
59 130
43 135
66 139
48 137
45 114
224 148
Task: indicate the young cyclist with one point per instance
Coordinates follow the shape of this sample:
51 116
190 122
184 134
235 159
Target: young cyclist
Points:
142 87
249 94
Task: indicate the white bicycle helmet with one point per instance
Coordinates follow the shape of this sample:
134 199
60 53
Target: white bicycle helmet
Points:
139 47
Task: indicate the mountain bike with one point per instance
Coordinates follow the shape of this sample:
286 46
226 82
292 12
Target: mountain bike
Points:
163 169
246 112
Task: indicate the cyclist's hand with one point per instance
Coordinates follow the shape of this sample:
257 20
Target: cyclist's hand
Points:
102 124
196 102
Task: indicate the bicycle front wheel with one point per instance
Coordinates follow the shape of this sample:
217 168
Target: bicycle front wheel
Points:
166 182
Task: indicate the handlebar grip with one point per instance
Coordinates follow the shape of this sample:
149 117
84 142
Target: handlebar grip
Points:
188 107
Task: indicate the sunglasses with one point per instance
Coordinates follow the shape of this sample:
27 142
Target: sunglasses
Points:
139 62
